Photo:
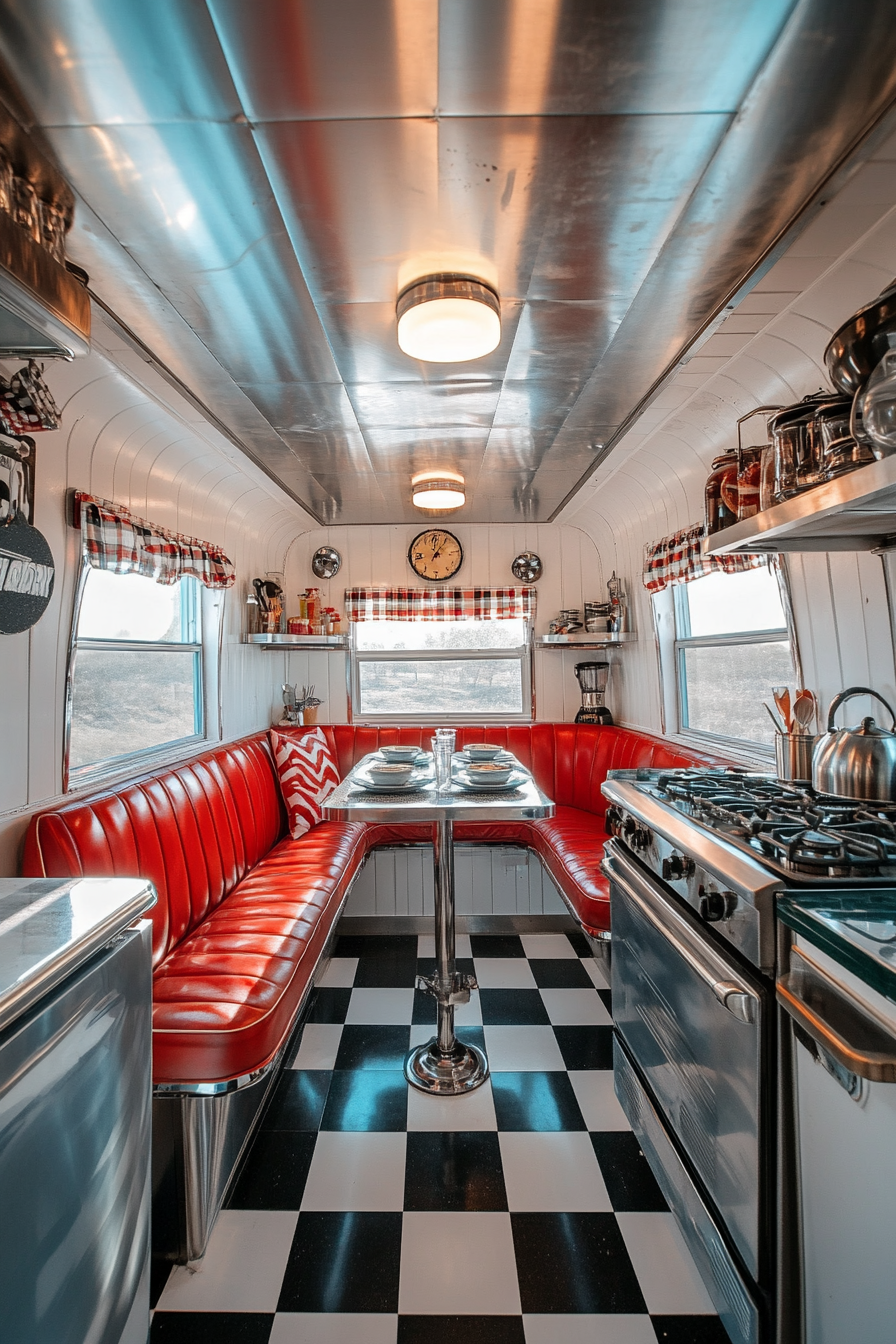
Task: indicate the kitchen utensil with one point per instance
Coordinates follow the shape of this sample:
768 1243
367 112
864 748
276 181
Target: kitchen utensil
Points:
592 679
259 586
859 345
803 711
796 435
856 762
876 406
779 727
793 756
782 700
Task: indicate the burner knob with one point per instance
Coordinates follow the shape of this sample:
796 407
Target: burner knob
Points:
715 905
677 866
613 821
635 836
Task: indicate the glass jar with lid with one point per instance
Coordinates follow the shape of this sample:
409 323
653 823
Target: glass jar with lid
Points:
720 495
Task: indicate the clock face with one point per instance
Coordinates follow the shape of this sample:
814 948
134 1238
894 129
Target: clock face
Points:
435 554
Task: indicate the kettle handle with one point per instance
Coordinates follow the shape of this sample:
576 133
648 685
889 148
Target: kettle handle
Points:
838 700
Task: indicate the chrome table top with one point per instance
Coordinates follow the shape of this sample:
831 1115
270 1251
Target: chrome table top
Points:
351 802
49 927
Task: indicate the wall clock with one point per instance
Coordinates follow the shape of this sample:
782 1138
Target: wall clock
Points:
325 562
435 554
527 567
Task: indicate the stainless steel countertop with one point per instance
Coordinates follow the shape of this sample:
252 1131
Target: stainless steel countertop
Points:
49 927
351 802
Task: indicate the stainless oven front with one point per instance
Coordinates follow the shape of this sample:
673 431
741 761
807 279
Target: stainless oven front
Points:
692 1026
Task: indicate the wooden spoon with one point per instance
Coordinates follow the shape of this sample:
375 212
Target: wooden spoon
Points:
782 700
804 711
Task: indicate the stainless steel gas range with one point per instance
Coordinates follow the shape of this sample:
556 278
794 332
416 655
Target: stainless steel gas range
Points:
696 860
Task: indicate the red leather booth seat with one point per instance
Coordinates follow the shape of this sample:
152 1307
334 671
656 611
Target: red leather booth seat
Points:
244 911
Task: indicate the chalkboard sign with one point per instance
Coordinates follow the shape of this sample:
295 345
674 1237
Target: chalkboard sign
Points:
27 574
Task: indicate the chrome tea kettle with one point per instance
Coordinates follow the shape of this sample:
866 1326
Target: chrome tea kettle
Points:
858 763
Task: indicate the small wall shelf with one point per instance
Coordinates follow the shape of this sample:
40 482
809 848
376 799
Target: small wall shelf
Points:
327 643
582 641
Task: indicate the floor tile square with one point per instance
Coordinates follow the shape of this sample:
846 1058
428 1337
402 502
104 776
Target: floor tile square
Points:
356 1172
465 1014
366 1100
426 946
586 1047
301 1327
298 1100
471 1111
242 1268
372 1047
387 962
689 1330
443 1254
376 945
274 1173
595 972
513 1008
631 1184
667 1274
211 1327
574 1008
329 1004
587 1330
536 1101
561 973
460 1330
503 973
606 999
384 1007
319 1046
454 1172
340 974
597 1099
516 1048
551 946
496 945
579 943
343 1262
574 1263
551 1173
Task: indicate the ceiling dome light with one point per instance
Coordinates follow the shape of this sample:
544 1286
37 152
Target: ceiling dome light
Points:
447 319
438 492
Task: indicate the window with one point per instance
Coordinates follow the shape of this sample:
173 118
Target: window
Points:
437 670
731 647
135 674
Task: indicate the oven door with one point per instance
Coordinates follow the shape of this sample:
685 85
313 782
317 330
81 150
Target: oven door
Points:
692 1023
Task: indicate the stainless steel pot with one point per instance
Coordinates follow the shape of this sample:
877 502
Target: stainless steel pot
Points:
857 762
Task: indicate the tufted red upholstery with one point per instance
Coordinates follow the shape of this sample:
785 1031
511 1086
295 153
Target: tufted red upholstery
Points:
243 912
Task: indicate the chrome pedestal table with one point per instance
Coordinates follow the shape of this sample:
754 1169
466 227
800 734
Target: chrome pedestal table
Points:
443 1065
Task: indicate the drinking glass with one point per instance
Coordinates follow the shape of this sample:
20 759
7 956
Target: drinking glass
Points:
442 753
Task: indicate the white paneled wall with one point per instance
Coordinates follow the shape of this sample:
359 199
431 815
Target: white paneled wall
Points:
378 555
126 435
652 484
489 880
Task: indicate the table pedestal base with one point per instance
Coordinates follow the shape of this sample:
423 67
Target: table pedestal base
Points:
446 1075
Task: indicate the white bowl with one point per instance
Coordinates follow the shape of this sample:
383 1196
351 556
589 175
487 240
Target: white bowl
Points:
489 772
399 753
482 751
394 773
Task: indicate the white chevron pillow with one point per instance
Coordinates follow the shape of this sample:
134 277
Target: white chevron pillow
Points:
307 773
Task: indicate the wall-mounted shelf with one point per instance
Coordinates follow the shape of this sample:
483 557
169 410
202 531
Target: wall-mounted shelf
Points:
582 641
856 512
328 643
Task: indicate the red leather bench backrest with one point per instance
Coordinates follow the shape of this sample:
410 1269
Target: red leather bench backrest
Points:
194 831
569 760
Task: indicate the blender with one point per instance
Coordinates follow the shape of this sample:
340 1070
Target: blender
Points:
592 678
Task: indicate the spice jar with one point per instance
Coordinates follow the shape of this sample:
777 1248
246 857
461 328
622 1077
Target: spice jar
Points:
720 499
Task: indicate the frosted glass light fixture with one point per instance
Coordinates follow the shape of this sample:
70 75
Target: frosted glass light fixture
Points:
447 319
438 490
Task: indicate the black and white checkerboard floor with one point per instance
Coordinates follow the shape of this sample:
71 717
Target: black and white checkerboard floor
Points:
523 1213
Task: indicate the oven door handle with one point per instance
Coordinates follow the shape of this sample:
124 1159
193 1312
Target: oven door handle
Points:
835 1021
733 995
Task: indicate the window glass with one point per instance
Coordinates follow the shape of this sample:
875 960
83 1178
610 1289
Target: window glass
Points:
135 678
722 604
510 634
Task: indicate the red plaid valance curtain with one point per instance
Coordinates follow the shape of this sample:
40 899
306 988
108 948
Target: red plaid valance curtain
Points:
680 558
439 604
114 539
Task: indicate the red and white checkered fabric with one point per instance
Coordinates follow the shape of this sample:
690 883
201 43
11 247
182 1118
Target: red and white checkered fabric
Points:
439 604
114 539
680 559
308 775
